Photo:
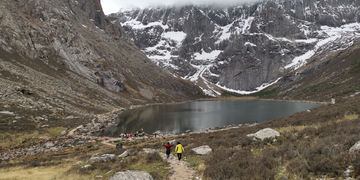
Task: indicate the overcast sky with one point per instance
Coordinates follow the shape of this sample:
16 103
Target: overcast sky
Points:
113 6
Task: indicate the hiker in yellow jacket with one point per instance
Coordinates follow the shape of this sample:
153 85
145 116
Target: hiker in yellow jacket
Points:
179 150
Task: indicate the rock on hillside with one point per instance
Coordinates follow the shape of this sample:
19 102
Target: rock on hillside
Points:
265 133
241 48
65 59
201 150
132 175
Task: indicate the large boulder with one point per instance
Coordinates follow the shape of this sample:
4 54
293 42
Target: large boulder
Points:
202 150
102 158
132 175
355 147
265 133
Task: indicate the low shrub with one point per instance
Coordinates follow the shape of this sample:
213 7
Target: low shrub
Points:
355 162
156 176
153 157
298 167
241 164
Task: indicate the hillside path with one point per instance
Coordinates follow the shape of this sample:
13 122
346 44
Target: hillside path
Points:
180 170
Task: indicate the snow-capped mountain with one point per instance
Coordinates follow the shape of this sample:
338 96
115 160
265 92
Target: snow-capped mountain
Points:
242 48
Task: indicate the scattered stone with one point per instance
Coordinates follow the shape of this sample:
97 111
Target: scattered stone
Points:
63 132
187 131
49 145
173 142
86 166
54 149
44 138
265 133
98 176
7 112
355 147
202 150
126 153
102 158
132 175
142 134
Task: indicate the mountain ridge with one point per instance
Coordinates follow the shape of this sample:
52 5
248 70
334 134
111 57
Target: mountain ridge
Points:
66 60
240 48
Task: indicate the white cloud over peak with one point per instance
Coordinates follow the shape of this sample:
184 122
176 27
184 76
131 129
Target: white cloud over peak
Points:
113 6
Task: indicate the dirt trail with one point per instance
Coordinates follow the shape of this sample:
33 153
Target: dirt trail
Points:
180 170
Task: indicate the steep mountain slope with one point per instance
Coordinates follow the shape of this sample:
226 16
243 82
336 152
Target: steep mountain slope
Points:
242 48
329 75
63 60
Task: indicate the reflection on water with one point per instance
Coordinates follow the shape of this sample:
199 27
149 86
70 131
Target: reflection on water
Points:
196 116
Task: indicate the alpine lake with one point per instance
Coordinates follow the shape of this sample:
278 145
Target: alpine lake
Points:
201 115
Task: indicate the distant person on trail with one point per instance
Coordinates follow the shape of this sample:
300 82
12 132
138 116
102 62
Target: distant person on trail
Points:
179 150
168 146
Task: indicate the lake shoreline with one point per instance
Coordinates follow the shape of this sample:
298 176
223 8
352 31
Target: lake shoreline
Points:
120 111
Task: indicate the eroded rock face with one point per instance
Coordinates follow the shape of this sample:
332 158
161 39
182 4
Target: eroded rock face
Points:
132 175
239 47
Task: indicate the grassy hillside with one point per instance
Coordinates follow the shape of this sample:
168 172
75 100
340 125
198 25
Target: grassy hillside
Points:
329 75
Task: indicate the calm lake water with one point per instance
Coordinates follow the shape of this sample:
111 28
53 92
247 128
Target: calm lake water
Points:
197 116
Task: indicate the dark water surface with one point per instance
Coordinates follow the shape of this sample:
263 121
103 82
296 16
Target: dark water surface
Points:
197 116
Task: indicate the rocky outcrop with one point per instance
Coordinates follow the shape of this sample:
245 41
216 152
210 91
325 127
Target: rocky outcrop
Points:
240 47
132 175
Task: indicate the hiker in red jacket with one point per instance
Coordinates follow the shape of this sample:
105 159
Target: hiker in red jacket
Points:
168 146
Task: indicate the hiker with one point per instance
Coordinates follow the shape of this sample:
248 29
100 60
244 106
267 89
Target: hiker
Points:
168 146
179 150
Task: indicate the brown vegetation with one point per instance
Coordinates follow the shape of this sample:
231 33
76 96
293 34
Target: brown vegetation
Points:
312 144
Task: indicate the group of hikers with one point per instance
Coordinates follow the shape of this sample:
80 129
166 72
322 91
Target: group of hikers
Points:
179 149
129 135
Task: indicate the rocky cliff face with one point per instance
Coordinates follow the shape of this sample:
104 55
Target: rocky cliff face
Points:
65 58
241 48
